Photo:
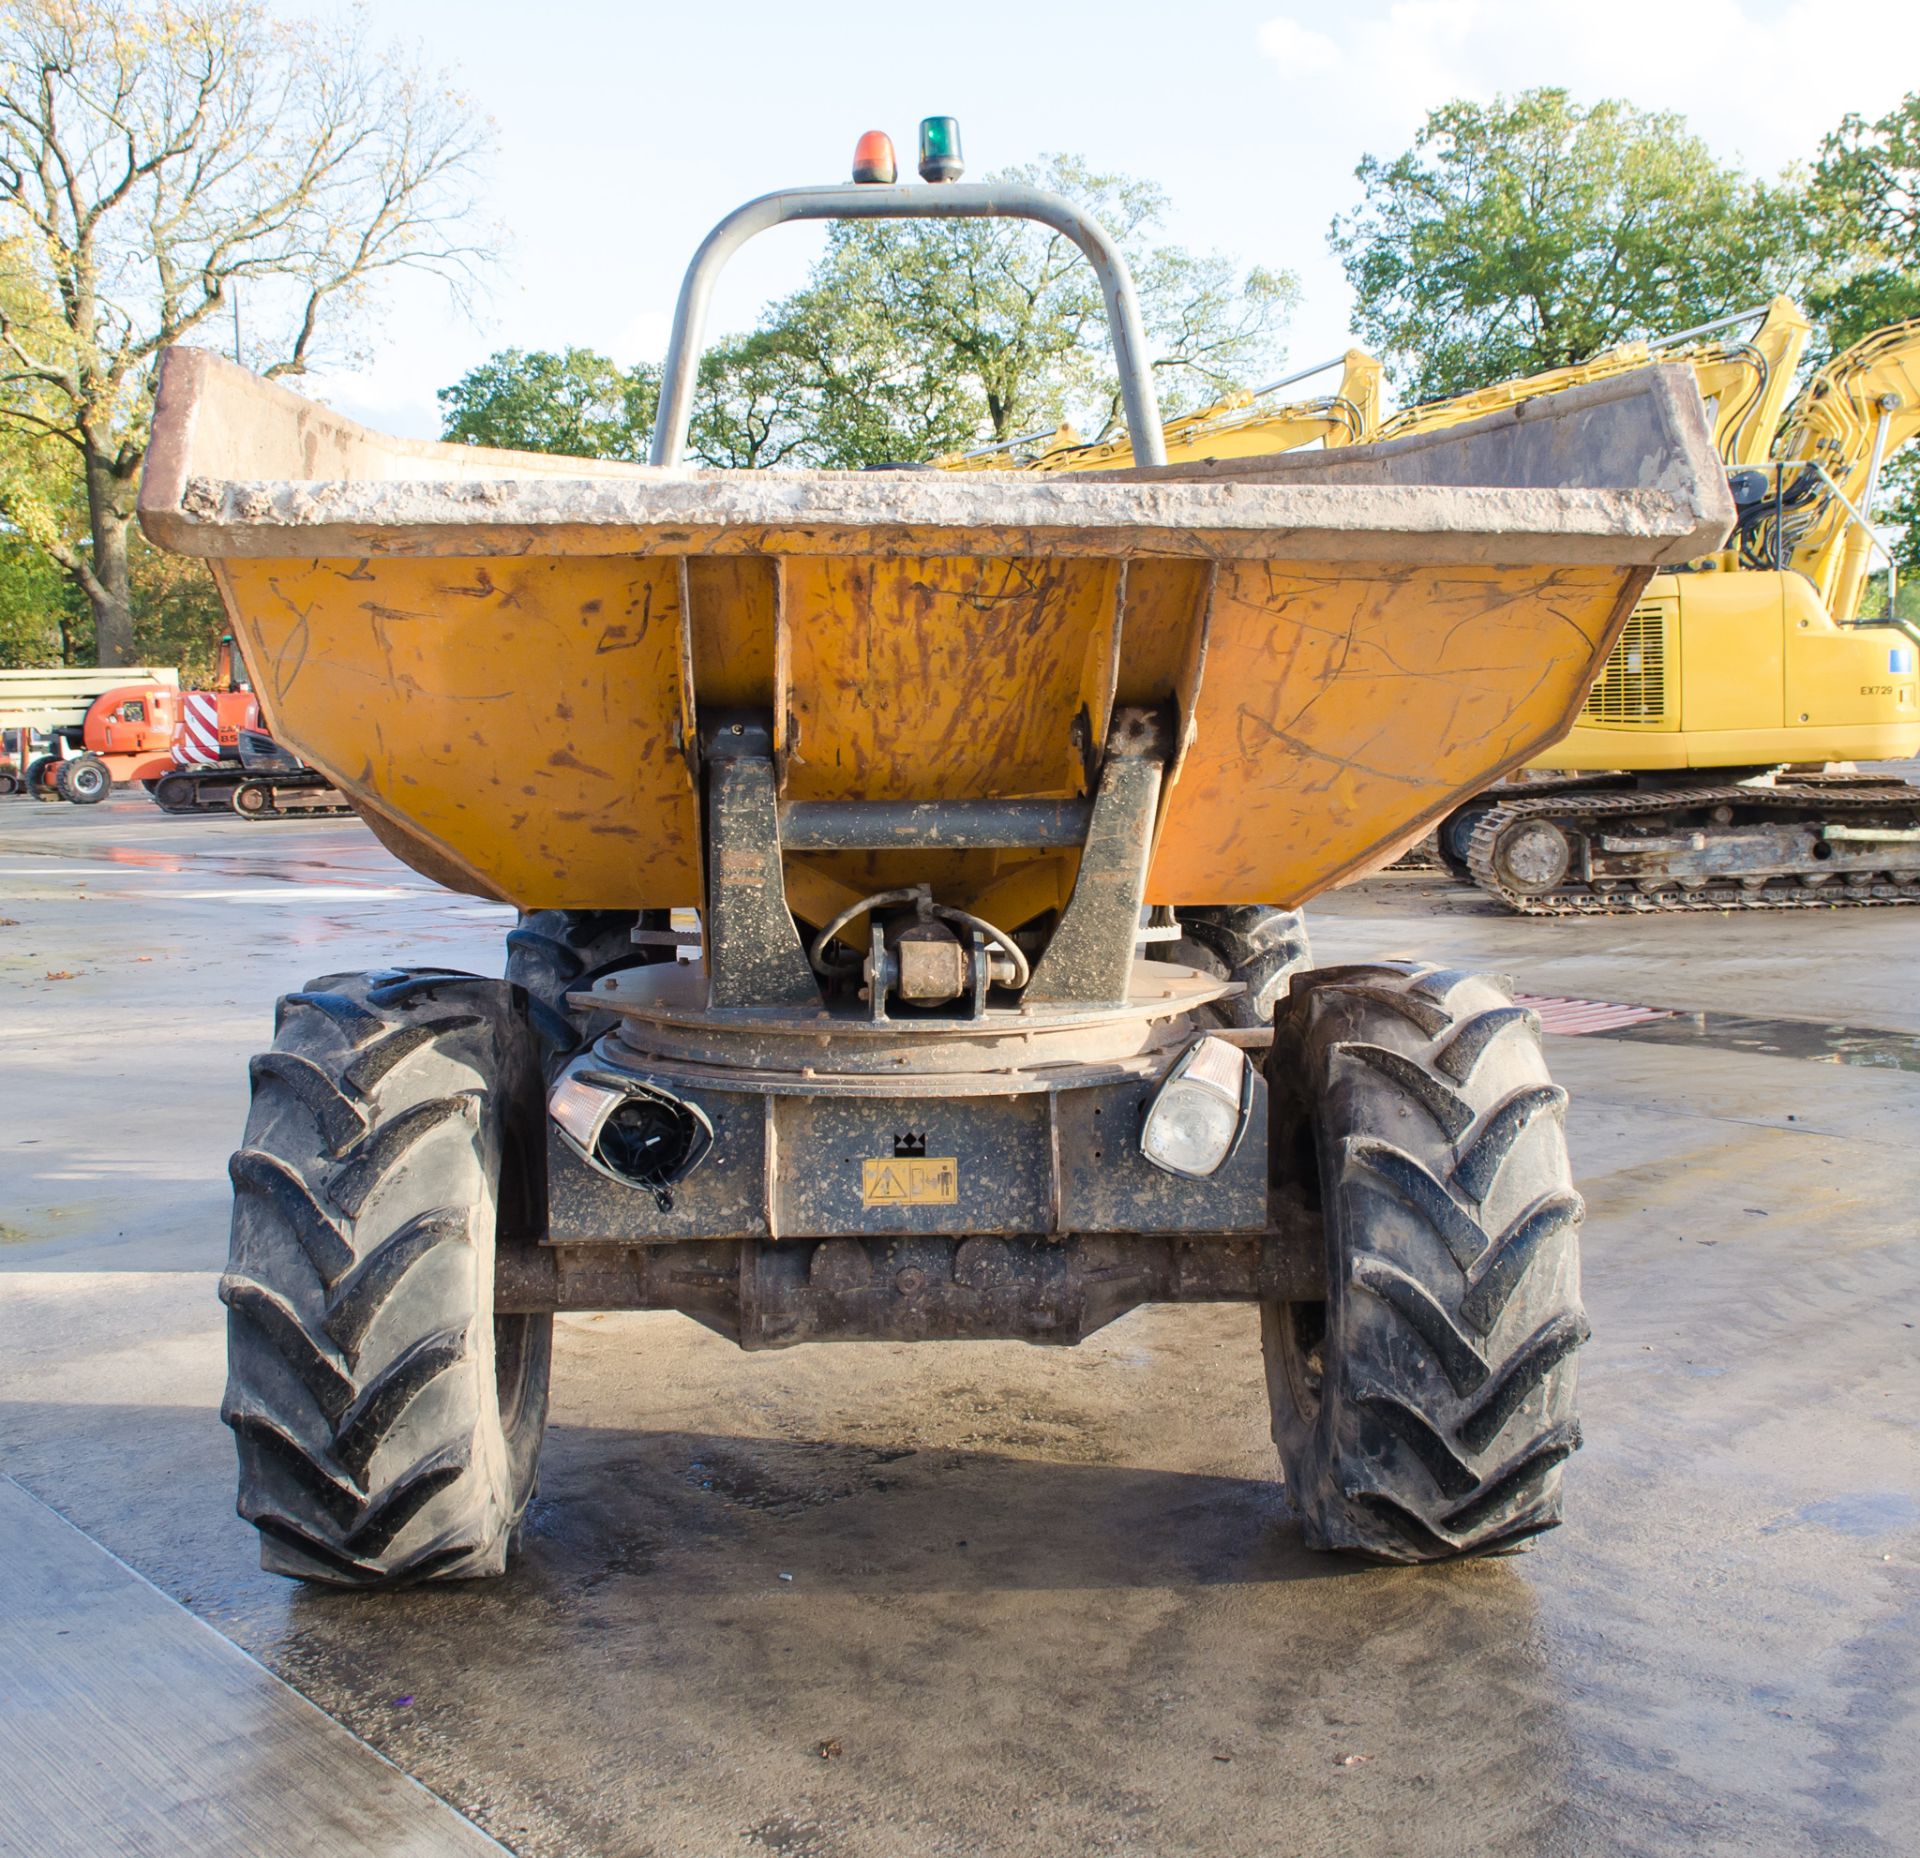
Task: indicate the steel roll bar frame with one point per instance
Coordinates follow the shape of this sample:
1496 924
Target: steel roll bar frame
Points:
948 200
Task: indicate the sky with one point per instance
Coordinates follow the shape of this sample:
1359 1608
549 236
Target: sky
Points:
625 131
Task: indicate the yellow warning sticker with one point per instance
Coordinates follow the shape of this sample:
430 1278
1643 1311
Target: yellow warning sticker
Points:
919 1180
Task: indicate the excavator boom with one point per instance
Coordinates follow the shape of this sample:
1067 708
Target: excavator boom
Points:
1236 427
1844 430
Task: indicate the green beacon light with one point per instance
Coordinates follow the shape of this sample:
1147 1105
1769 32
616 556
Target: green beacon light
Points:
940 149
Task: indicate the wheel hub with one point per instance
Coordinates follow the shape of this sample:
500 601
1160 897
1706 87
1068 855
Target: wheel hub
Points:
1535 855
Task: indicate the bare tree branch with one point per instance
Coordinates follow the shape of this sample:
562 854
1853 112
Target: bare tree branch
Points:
156 156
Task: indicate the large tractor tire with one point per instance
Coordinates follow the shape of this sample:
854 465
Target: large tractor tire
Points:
1424 1409
86 780
42 777
1252 943
388 1422
552 953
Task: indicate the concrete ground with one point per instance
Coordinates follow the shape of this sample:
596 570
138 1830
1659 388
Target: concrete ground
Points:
983 1599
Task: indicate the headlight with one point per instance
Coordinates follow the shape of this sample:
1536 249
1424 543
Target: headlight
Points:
634 1131
1199 1113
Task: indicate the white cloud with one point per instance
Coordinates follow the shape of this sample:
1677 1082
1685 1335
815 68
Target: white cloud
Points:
1750 78
1294 47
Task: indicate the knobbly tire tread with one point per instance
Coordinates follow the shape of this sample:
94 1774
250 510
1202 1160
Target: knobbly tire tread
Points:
387 1425
1445 1401
552 953
1252 943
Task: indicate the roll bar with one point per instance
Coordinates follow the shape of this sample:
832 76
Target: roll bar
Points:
949 200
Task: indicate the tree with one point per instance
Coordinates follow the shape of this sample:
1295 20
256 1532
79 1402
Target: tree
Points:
1864 217
43 619
1863 220
1531 234
913 336
578 404
824 381
908 339
155 157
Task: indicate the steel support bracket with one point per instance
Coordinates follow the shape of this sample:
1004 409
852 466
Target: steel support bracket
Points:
754 953
1090 958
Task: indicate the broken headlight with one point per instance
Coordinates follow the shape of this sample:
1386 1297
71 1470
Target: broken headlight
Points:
637 1132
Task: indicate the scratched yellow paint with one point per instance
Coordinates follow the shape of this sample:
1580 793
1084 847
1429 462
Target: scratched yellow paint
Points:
523 717
1339 707
516 726
730 607
948 678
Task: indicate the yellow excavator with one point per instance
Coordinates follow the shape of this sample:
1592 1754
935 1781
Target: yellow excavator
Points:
1237 427
1695 775
1746 380
1685 782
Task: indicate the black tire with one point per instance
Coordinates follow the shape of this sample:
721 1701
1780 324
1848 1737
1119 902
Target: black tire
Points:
1424 1410
9 781
388 1423
86 780
43 772
1261 947
552 953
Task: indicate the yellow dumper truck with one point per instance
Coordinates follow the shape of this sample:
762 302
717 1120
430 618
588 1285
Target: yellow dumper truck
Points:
955 773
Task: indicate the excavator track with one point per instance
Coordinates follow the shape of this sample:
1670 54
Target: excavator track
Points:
1785 847
228 789
306 795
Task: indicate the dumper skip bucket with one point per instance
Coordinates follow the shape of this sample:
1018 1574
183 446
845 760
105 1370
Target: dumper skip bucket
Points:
505 660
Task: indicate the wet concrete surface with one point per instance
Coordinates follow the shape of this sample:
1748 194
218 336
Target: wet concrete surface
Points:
1820 1041
1040 1601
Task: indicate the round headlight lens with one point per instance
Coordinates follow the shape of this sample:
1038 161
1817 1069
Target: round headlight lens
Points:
1195 1121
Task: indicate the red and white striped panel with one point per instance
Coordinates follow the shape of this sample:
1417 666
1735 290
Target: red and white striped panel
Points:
1570 1018
196 736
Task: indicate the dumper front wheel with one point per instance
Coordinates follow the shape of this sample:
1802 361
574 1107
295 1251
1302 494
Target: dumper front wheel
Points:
1425 1408
388 1423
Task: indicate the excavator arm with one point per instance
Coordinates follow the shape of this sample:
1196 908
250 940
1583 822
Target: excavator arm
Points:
1744 380
1236 427
1854 417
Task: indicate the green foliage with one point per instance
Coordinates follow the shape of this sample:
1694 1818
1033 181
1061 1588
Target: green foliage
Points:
578 404
916 337
44 618
177 616
1531 234
1898 507
825 380
912 338
1864 223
